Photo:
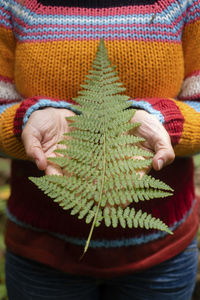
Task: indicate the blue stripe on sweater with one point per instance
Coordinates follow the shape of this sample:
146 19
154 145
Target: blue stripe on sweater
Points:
126 242
167 16
142 104
99 36
3 107
47 103
132 28
7 24
194 104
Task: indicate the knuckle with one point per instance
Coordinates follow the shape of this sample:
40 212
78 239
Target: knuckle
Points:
24 134
172 156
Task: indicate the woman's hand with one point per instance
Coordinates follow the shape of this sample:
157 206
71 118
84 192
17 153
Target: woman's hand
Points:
44 129
157 138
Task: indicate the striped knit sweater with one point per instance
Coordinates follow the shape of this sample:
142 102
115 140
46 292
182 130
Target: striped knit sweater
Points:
46 49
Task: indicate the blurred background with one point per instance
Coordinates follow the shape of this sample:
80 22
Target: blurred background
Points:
4 194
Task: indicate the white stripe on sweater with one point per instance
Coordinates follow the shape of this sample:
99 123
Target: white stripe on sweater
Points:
8 91
190 87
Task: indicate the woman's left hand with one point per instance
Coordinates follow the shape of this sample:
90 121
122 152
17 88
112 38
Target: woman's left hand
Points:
157 138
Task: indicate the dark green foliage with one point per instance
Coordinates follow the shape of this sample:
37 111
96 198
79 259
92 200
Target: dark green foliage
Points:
98 158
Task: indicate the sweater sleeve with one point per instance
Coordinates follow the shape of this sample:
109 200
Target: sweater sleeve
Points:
181 116
14 110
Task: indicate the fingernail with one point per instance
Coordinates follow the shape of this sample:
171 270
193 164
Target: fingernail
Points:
37 162
160 164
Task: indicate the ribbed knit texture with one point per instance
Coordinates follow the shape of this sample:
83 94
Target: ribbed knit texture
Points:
47 48
95 3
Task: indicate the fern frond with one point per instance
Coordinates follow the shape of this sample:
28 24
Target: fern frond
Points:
123 140
60 161
102 159
130 218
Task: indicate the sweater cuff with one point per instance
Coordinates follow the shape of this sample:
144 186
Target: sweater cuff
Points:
10 145
167 112
28 106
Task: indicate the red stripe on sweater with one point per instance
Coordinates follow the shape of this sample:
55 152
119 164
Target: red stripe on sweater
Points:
6 79
195 73
173 119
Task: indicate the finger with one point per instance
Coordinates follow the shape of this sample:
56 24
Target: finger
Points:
52 169
34 150
144 170
163 157
39 158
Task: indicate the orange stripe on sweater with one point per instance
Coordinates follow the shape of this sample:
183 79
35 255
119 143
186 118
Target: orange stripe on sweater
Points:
9 143
191 131
57 69
7 48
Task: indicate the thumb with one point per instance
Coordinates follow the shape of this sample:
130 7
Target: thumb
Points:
34 149
164 156
38 156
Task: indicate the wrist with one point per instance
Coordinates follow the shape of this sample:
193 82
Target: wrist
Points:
29 106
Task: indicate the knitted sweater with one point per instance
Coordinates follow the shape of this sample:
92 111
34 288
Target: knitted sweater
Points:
46 49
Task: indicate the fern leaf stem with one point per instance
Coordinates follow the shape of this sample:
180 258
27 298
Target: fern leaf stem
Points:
100 195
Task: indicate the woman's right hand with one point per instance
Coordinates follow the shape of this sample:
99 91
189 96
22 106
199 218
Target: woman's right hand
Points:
44 129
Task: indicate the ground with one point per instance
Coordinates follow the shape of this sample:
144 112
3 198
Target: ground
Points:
4 193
